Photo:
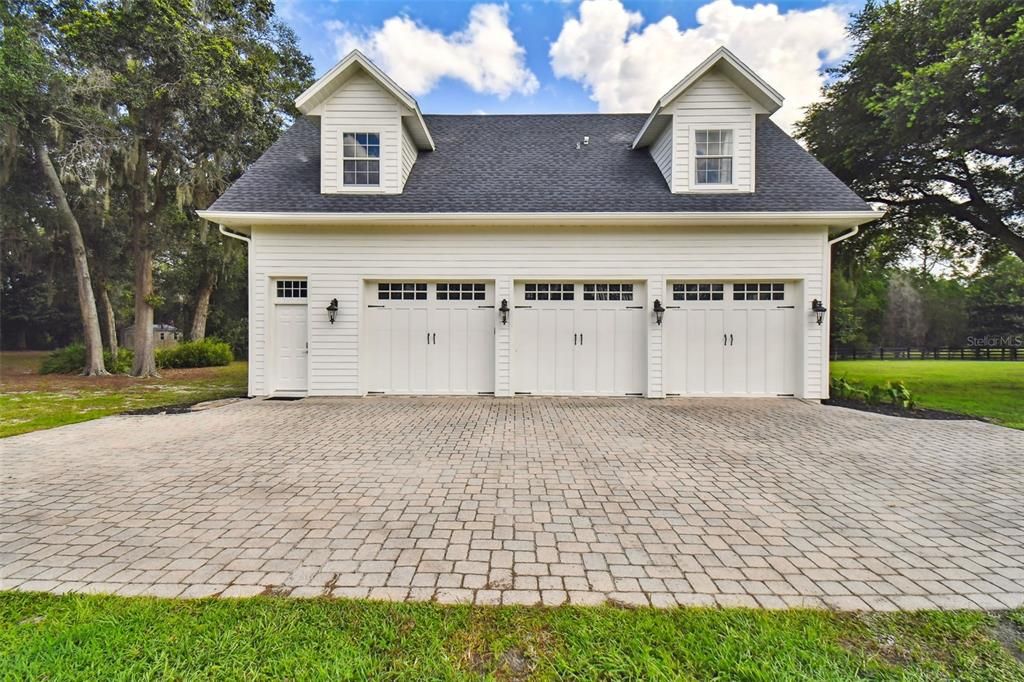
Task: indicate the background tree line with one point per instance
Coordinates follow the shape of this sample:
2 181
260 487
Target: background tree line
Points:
118 121
874 305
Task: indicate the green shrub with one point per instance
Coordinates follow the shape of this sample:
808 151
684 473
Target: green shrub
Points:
900 396
203 353
842 389
71 360
893 393
876 395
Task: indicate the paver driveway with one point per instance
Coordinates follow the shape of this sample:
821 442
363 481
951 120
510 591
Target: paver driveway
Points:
523 500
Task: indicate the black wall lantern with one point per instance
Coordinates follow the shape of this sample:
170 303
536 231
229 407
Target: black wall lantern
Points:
332 310
503 310
659 311
819 310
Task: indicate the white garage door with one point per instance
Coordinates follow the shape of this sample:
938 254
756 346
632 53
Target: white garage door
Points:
731 338
579 338
429 337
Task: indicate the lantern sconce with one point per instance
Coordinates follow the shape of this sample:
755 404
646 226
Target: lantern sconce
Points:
659 311
503 310
819 310
332 310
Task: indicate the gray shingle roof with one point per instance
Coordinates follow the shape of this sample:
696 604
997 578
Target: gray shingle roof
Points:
529 163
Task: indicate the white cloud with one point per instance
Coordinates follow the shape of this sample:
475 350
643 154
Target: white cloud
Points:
626 65
485 55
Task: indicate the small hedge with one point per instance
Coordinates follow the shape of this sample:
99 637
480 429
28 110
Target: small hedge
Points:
203 353
71 360
893 393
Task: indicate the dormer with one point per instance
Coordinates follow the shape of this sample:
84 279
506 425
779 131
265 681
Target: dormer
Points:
701 133
371 130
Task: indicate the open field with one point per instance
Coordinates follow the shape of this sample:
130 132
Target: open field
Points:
30 401
990 390
79 637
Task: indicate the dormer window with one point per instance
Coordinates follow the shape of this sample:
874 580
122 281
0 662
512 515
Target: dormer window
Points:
713 154
361 159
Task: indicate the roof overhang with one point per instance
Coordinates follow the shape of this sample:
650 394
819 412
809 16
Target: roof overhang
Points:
729 64
356 62
832 219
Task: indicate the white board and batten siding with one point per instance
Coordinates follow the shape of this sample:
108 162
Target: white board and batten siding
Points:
409 154
339 262
713 103
361 105
661 152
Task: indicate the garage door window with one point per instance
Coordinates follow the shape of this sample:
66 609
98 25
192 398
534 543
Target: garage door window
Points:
550 292
291 288
402 291
461 291
607 292
759 291
698 291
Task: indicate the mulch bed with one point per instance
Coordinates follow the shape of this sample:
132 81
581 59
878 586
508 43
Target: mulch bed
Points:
893 411
182 408
30 380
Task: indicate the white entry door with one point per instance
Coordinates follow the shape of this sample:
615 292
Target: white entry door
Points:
290 340
579 338
429 337
731 338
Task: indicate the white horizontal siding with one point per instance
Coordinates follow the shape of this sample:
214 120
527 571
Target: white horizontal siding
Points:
713 102
409 154
661 152
360 105
336 260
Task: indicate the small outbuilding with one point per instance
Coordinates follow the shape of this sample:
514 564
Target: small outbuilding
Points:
164 335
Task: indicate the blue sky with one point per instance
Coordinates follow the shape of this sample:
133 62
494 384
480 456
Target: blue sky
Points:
608 55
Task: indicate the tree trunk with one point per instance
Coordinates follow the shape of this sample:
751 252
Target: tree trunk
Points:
207 282
144 360
108 313
86 300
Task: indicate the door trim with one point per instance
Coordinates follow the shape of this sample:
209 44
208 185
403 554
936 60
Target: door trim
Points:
270 343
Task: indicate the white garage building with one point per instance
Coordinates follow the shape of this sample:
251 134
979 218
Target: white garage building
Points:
677 253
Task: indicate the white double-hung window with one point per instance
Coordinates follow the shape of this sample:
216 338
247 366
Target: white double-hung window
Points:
361 159
713 155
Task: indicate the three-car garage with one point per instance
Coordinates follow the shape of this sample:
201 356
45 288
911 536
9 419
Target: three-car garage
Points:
581 337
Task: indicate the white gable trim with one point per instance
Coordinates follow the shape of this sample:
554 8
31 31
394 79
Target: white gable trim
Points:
308 101
740 73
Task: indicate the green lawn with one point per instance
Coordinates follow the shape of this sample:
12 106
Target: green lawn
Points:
29 402
993 390
78 637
